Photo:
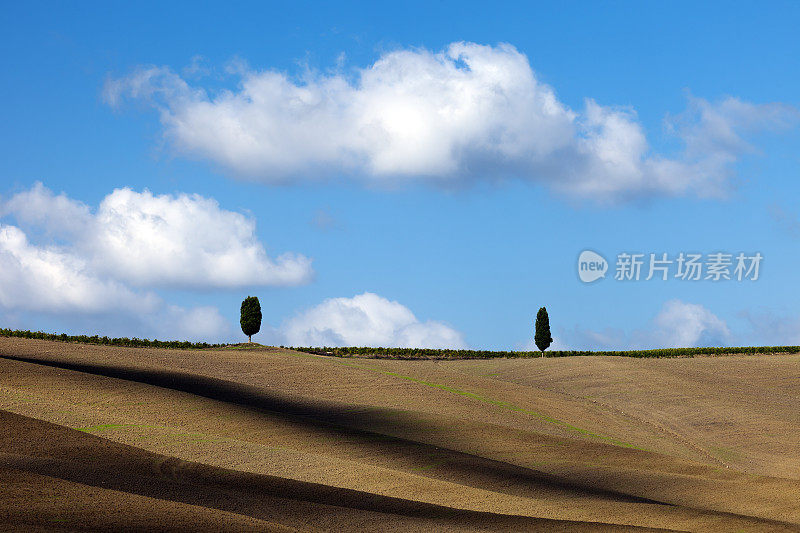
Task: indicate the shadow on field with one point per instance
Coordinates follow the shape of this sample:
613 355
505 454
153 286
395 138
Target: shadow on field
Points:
47 449
343 421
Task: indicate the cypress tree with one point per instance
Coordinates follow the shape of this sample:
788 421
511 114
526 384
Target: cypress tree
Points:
251 317
542 336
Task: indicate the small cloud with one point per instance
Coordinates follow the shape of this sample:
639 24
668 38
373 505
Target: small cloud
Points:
678 324
787 221
324 220
366 320
196 69
768 328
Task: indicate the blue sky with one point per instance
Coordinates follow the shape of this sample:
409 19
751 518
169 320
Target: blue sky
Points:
428 192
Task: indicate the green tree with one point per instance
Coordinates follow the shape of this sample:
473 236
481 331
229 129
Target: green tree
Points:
251 317
542 336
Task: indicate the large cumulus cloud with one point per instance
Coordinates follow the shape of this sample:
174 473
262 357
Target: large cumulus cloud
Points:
465 113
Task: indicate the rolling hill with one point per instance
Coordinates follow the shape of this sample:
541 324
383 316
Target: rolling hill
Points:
101 437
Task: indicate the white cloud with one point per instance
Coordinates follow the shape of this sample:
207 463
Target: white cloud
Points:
167 241
681 324
678 324
54 282
366 320
97 268
48 279
39 207
468 112
186 240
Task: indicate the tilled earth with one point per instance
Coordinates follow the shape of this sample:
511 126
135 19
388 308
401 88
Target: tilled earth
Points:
104 438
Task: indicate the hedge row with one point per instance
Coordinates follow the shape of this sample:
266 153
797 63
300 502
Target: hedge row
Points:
429 353
107 341
406 353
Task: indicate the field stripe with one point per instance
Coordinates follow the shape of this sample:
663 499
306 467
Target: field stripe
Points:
472 395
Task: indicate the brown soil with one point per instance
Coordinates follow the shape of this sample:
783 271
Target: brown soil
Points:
113 438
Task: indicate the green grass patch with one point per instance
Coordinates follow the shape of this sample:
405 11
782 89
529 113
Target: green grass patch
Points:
18 397
106 427
430 465
726 454
245 346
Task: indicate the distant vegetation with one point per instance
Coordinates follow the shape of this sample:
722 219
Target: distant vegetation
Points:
106 341
429 353
405 353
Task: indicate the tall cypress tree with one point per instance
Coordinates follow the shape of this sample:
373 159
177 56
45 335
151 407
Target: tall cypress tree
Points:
542 336
251 317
